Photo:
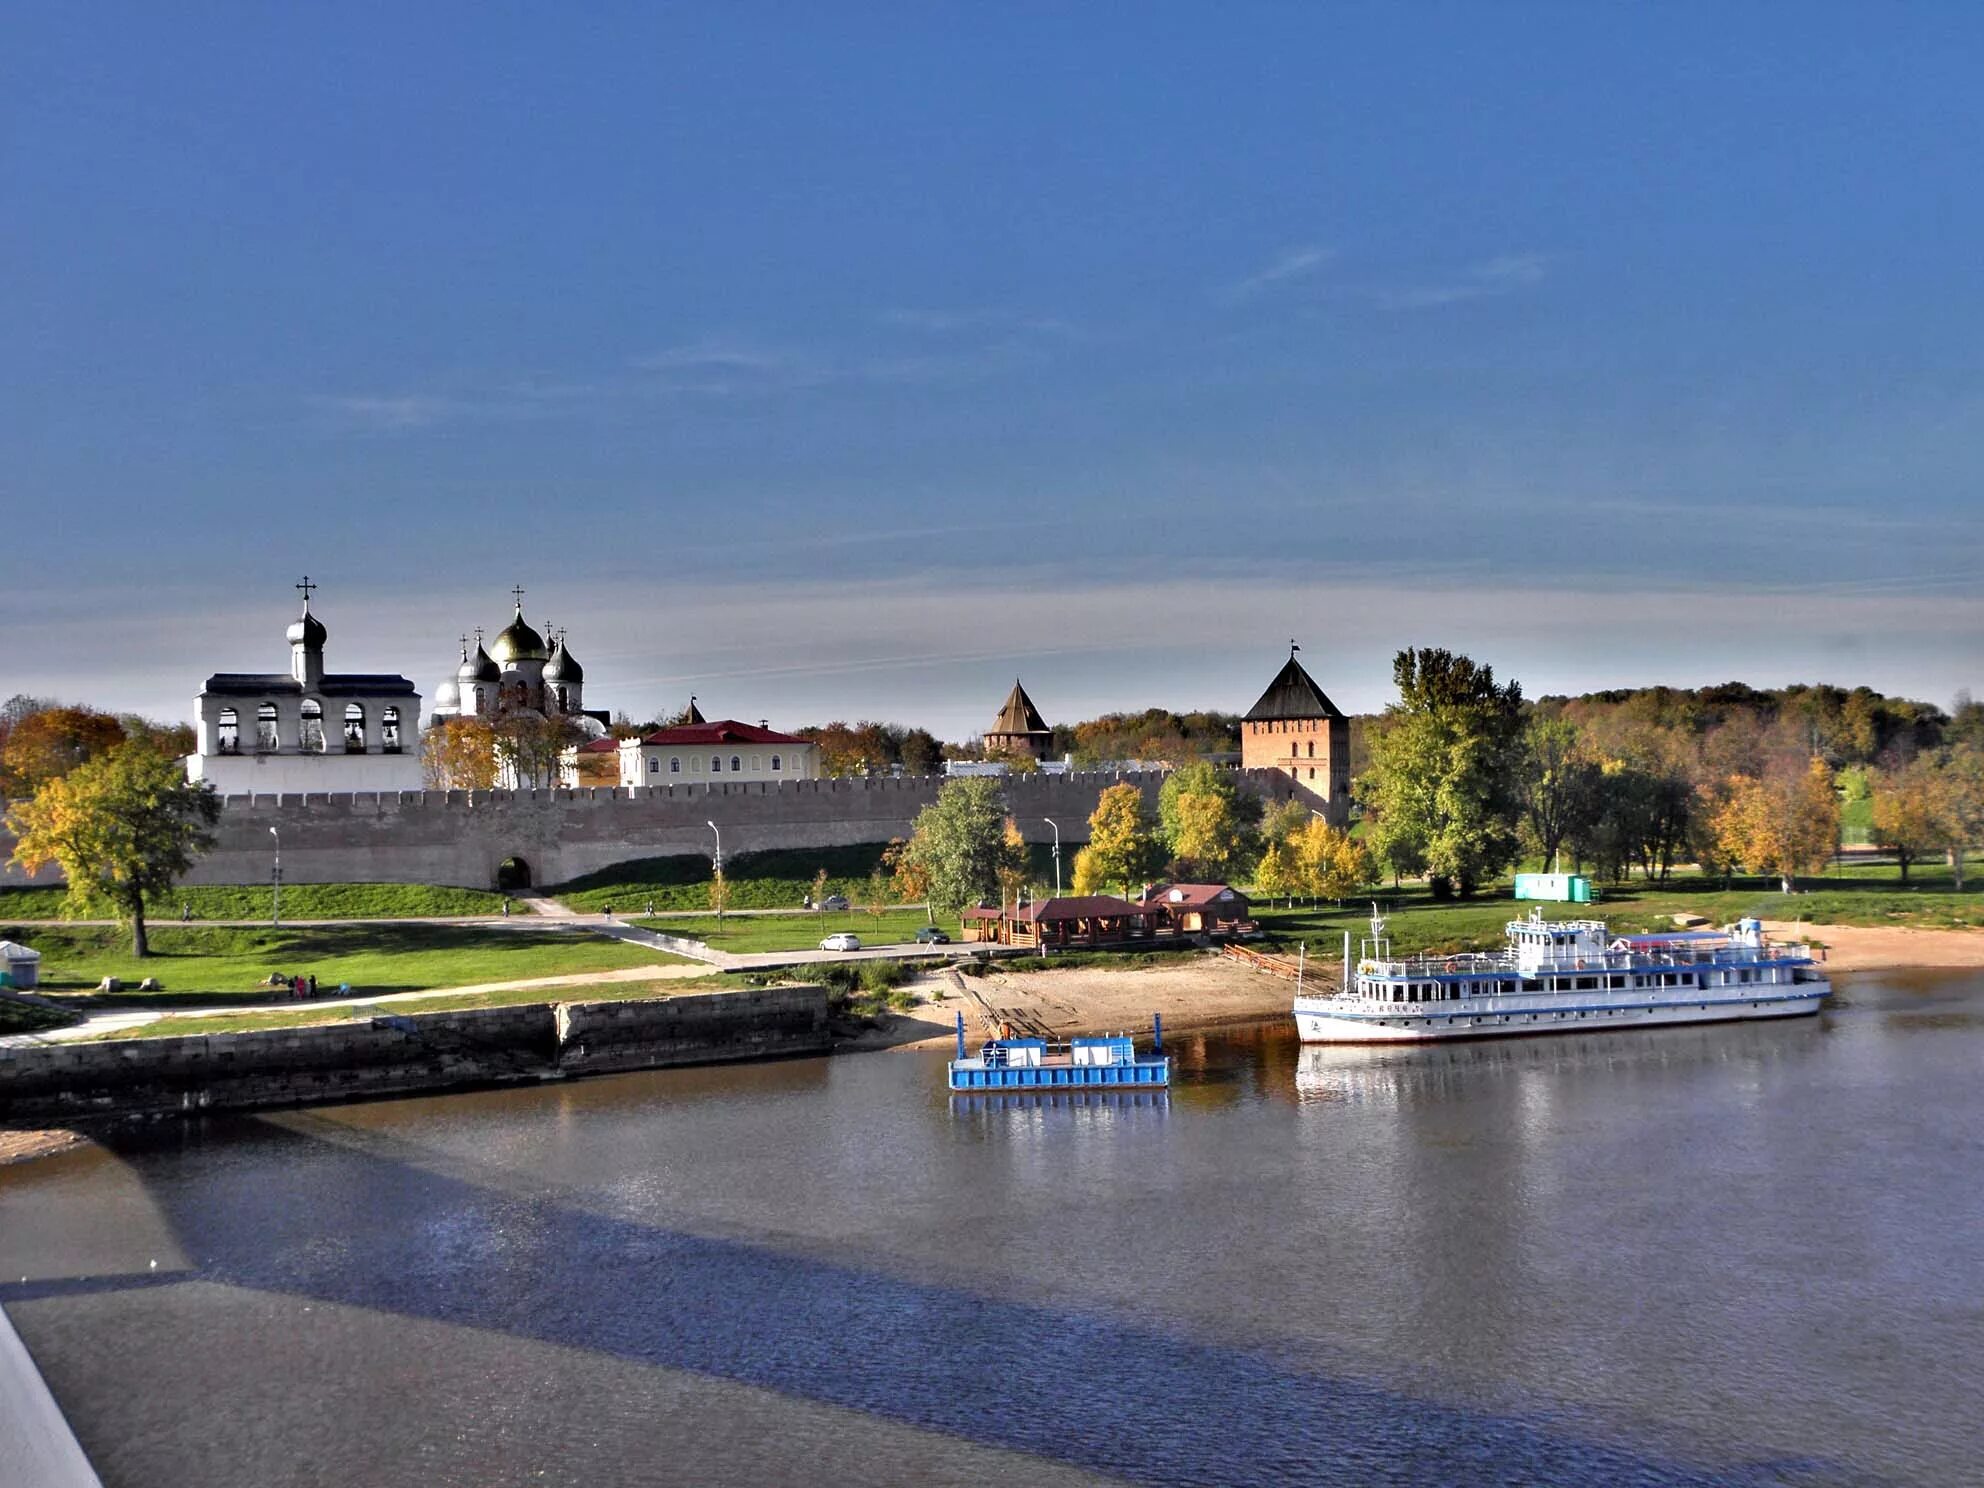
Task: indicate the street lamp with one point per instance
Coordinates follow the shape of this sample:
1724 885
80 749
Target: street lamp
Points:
1057 854
275 915
718 862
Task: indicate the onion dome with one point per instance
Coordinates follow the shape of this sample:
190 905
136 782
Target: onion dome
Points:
448 695
478 668
563 666
518 642
307 630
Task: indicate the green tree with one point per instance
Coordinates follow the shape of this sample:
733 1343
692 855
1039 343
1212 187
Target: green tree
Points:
958 845
121 826
1445 779
1560 785
1205 820
1123 845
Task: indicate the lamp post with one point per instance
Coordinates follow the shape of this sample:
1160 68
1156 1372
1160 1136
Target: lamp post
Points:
275 915
1057 854
718 863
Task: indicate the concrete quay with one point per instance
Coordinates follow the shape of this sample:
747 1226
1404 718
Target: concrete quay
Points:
36 1446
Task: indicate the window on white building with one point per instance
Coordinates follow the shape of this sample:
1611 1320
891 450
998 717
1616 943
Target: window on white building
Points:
716 764
654 767
265 727
774 764
354 728
736 765
389 731
675 764
228 732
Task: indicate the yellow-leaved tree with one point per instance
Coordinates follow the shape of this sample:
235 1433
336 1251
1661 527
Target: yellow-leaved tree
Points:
1782 825
121 826
1123 845
1274 875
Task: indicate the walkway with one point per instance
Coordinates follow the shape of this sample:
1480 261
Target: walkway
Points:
124 1018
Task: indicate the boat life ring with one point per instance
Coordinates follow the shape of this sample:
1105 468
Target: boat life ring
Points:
1453 965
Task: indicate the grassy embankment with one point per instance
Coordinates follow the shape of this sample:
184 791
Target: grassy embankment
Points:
214 964
315 1014
754 880
335 901
1858 895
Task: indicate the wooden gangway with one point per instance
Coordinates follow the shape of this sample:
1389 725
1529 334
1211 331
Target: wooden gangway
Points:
1289 968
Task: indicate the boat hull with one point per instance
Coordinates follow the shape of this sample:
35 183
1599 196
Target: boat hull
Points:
1318 1023
972 1076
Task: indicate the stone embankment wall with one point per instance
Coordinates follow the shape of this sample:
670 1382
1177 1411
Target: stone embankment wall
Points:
463 837
403 1055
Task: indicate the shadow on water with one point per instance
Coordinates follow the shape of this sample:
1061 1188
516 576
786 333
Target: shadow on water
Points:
1095 1390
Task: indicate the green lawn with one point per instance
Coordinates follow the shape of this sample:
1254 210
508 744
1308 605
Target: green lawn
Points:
1858 895
336 901
214 964
341 1012
745 934
25 1017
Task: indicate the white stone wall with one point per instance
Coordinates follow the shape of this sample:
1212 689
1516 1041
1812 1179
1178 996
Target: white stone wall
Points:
249 773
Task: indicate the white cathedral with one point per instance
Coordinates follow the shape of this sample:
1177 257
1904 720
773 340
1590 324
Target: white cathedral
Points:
519 672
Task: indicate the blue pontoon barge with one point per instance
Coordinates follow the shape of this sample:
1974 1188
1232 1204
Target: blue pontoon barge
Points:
1031 1064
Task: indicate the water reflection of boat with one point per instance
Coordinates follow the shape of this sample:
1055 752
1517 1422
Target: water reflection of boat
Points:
1391 1074
1120 1099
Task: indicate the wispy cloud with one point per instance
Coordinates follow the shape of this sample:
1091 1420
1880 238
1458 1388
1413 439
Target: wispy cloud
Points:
1292 263
1496 276
387 414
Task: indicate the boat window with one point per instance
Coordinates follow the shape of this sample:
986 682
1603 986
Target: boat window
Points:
1617 981
1587 984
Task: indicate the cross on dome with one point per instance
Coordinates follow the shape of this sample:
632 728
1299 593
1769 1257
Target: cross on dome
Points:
308 588
518 594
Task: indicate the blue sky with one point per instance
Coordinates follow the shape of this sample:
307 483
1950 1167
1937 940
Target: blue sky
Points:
846 360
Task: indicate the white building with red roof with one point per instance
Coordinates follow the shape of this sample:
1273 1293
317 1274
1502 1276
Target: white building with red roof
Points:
701 752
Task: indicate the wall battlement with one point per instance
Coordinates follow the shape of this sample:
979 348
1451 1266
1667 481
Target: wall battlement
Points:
463 837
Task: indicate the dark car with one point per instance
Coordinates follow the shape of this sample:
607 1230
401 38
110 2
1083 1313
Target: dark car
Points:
931 935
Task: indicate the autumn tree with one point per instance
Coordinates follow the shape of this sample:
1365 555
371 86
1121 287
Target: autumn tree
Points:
459 754
1123 845
958 845
48 744
1963 795
1275 874
121 826
1012 867
906 876
528 746
1444 781
1911 813
1783 825
1328 863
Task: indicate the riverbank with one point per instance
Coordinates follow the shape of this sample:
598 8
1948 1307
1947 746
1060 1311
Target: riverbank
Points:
25 1145
1204 992
1886 947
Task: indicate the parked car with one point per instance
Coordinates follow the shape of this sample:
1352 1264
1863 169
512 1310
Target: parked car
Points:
931 935
834 901
841 941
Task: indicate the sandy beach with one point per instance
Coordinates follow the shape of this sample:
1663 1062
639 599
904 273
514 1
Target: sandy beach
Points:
1200 993
1884 947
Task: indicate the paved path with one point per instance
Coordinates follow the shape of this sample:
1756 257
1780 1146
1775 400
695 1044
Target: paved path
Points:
123 1018
36 1445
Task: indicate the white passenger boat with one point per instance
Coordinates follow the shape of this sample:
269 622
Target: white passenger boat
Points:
1562 976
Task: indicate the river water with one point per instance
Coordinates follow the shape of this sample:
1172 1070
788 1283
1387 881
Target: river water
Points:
1746 1254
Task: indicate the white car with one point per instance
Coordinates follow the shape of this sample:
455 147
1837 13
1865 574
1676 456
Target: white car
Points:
841 941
